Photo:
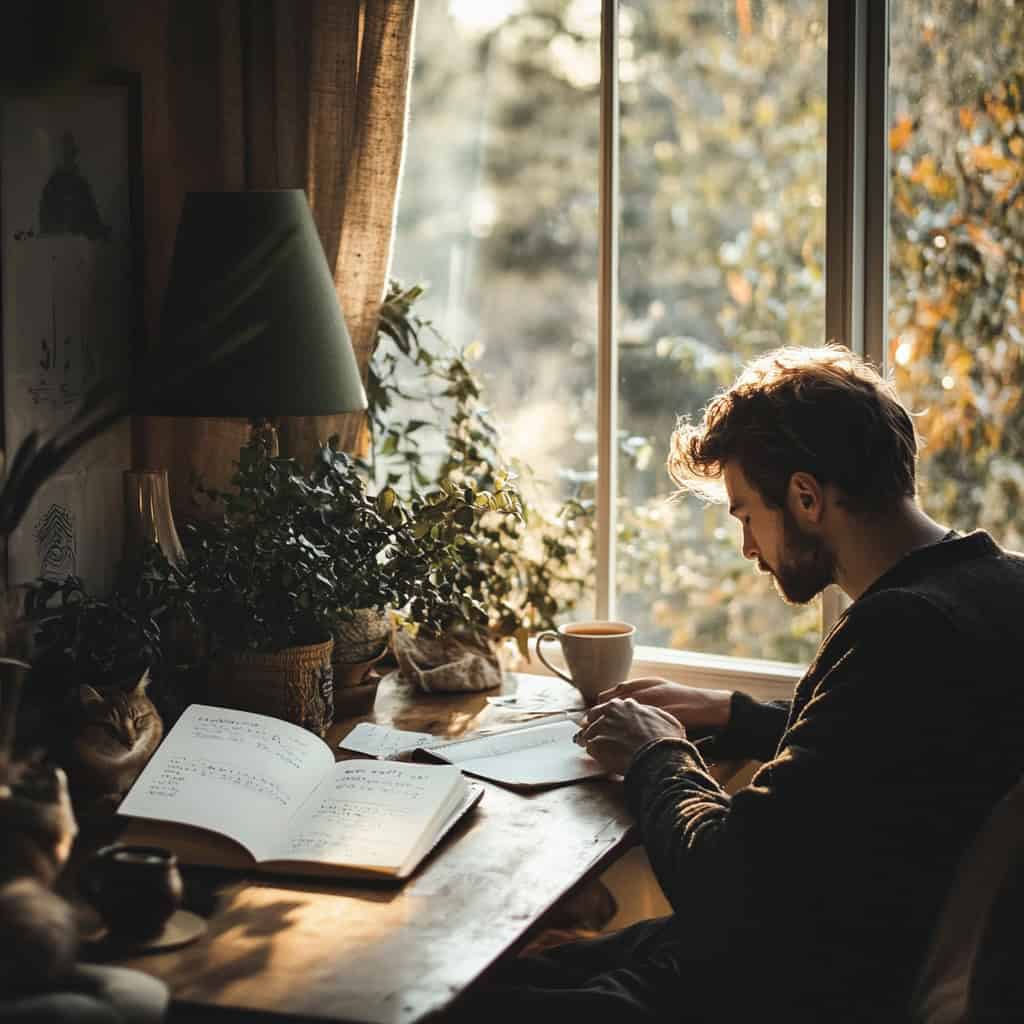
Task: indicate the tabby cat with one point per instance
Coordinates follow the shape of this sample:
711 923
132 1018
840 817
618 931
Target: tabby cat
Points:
111 736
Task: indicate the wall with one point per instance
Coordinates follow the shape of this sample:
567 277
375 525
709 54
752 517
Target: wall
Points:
187 56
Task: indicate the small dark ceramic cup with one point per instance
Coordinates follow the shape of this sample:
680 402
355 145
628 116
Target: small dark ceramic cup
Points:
135 888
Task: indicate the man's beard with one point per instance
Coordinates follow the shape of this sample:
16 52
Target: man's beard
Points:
806 566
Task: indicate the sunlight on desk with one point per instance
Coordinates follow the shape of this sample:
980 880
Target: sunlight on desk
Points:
393 954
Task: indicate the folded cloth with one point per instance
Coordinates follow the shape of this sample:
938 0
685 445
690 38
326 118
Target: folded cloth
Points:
445 664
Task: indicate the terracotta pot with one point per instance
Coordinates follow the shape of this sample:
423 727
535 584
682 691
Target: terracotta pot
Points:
296 684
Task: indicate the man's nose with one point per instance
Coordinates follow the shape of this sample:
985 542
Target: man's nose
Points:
749 547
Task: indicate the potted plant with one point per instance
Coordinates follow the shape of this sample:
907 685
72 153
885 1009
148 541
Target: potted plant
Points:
514 568
81 639
294 558
388 557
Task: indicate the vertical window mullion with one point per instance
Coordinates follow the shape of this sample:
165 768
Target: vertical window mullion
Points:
857 191
607 349
876 184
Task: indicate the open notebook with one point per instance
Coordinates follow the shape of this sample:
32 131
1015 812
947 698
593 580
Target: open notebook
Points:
236 789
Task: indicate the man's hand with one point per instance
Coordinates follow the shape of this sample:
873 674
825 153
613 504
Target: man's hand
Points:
613 732
691 707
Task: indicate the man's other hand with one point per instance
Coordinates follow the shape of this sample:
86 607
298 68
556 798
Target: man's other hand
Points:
693 708
614 731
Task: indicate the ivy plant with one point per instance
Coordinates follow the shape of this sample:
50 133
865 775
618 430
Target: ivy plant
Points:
514 569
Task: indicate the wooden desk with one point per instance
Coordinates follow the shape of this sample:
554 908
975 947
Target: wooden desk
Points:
364 953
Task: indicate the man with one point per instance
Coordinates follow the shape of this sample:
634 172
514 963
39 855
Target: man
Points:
809 895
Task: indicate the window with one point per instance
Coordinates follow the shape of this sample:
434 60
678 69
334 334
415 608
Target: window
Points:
721 257
956 276
727 243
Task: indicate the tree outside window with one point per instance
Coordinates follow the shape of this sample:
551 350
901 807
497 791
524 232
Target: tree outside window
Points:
723 121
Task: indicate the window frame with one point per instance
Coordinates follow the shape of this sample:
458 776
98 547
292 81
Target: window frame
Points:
856 286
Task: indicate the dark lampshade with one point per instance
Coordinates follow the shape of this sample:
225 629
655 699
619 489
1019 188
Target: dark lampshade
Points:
301 363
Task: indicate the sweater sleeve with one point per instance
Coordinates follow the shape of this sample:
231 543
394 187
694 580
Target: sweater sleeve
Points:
754 730
843 791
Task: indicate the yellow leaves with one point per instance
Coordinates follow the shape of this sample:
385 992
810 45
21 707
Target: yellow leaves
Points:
988 158
766 111
900 132
764 223
967 118
992 434
984 242
998 111
926 172
958 362
739 288
903 203
930 313
809 254
1017 146
1009 403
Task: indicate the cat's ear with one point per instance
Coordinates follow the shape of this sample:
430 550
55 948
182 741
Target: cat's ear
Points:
140 686
87 695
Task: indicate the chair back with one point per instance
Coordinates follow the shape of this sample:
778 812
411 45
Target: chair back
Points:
973 972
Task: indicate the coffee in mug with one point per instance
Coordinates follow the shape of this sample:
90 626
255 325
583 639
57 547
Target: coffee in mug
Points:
597 654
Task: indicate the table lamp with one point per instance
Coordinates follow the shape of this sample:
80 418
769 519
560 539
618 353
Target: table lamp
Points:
300 363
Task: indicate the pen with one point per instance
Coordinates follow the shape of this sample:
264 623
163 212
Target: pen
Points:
579 732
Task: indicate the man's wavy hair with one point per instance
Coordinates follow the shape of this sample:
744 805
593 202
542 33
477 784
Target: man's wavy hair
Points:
822 411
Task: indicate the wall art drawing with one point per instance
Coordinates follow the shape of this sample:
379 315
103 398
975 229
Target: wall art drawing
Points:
70 313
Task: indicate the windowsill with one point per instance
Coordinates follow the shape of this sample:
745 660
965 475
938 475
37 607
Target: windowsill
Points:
766 680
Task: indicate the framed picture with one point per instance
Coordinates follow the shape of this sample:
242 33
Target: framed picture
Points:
69 261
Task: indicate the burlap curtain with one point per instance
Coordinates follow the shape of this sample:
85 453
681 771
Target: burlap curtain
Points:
327 88
309 94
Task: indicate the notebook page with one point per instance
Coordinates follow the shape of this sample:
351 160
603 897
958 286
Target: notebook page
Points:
382 741
234 772
536 756
372 815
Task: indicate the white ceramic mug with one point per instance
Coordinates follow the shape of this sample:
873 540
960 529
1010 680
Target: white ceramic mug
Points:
598 654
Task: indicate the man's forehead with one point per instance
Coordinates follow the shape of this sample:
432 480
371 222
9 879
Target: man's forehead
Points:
737 487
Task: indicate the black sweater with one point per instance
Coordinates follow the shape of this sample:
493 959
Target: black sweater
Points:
810 894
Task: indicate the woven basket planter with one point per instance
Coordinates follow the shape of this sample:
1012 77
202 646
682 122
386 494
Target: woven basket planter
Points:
296 684
359 643
363 638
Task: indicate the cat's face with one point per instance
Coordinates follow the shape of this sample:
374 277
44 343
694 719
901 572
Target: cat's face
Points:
121 717
111 738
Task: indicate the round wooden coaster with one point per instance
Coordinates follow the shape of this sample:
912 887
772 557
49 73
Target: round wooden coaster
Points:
182 927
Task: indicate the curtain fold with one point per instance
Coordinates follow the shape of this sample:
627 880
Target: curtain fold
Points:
358 87
307 94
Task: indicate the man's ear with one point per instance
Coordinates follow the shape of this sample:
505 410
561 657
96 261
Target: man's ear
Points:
806 498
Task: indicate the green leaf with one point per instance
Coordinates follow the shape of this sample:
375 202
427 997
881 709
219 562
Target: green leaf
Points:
386 500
